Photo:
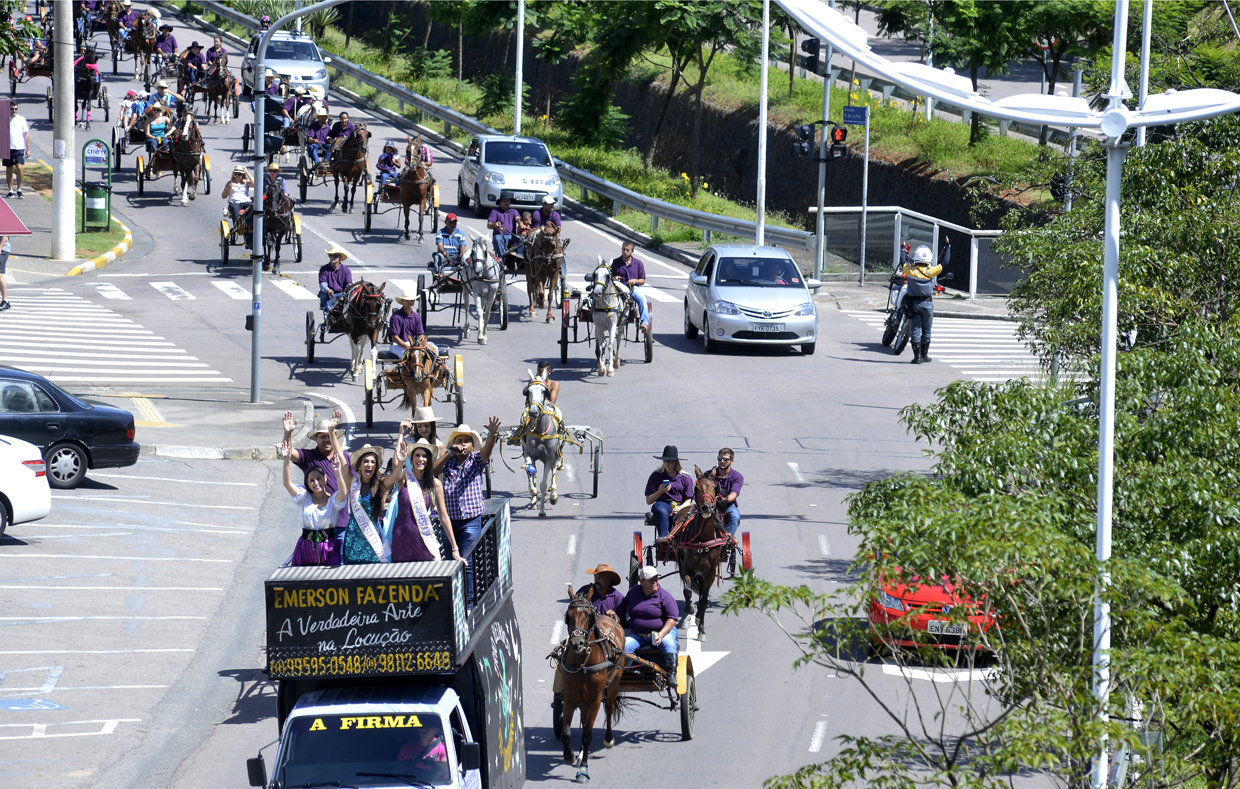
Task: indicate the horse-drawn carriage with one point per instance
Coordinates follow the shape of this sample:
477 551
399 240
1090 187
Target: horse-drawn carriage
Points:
88 88
139 45
610 316
413 187
20 73
478 276
361 311
419 372
220 90
182 154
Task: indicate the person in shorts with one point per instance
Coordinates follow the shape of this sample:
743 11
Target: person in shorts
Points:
19 151
5 247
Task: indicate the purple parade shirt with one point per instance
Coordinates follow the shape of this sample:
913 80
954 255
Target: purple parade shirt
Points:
604 603
167 44
317 132
313 458
337 280
192 59
128 18
406 327
273 88
680 490
342 131
386 162
552 216
213 54
507 219
643 614
729 483
634 269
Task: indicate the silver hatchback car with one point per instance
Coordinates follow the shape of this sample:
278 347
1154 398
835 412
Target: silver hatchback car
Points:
519 168
290 54
750 294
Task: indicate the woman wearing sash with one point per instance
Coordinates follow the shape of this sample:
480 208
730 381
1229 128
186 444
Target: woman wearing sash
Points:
420 533
363 539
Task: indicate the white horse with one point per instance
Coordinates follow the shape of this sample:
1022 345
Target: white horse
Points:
482 277
541 427
608 303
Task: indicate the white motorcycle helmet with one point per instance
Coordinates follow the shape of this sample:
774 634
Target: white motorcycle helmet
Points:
922 255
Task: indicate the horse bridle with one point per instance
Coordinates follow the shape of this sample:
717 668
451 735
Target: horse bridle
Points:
580 643
615 298
363 145
470 275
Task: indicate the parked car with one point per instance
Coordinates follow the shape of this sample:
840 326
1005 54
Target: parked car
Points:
290 54
519 168
749 294
24 494
927 609
73 434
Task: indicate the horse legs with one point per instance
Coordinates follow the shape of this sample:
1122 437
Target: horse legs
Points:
548 470
566 733
184 190
336 199
406 209
703 602
588 716
356 347
609 701
484 316
687 582
553 469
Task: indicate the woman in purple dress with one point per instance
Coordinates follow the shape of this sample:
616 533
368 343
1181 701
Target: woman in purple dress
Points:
421 532
317 545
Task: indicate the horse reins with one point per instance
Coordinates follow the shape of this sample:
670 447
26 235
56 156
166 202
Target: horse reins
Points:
605 643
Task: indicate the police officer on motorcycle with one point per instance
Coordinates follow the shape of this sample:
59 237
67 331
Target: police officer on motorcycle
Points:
919 301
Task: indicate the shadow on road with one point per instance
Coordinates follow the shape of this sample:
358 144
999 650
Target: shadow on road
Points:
255 696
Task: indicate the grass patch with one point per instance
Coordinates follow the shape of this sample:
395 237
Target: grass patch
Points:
89 244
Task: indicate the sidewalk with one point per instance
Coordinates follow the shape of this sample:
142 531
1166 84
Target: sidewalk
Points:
848 295
214 424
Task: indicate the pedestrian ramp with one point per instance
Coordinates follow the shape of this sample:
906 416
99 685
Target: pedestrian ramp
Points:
67 339
980 350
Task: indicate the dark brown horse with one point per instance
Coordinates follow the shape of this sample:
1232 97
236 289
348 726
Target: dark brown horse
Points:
112 18
417 187
543 256
187 150
218 87
142 42
699 542
590 664
365 313
419 373
349 163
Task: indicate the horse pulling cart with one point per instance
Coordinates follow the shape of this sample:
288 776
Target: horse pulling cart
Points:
418 371
601 302
182 155
336 322
477 276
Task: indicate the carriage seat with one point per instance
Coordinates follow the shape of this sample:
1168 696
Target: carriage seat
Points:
388 356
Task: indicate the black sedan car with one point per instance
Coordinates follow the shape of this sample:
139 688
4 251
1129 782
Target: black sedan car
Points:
74 435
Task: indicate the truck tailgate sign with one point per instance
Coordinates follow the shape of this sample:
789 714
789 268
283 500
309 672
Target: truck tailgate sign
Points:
363 620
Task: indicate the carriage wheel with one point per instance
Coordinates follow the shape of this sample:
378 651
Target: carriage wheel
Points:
303 182
688 706
746 555
503 303
236 106
50 111
367 210
309 336
649 343
115 62
564 335
460 404
598 466
224 242
245 139
206 176
297 248
141 176
116 149
422 299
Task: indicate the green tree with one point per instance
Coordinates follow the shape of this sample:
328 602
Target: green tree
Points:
1060 29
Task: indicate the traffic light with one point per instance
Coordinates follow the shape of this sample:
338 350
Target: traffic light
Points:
838 135
810 46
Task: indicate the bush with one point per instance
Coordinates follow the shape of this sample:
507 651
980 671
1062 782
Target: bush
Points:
422 64
589 113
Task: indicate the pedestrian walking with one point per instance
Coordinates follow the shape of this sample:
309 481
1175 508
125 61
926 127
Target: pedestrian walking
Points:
6 247
19 151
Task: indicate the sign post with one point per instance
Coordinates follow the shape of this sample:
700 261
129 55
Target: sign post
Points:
858 116
97 195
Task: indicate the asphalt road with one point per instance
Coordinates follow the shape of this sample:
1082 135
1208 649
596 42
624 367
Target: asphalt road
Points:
807 431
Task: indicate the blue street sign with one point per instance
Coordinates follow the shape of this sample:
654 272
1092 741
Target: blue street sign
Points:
854 116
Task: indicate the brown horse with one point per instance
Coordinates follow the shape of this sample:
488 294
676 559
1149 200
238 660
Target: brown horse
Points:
218 86
417 186
365 313
350 162
543 255
699 541
112 19
186 152
419 373
142 42
590 664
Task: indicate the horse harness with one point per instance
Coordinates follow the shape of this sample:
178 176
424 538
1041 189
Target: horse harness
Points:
691 543
610 652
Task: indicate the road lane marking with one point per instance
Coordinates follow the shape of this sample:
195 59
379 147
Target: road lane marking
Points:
38 731
145 501
820 732
174 479
110 291
823 545
691 645
118 588
940 675
172 291
353 258
148 528
659 295
555 633
10 557
293 289
233 290
70 356
796 470
620 242
55 362
404 285
75 536
572 544
349 418
87 687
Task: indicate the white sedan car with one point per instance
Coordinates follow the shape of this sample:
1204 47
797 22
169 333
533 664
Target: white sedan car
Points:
24 493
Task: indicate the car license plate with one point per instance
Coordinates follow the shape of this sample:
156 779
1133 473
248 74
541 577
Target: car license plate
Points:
523 197
938 627
766 327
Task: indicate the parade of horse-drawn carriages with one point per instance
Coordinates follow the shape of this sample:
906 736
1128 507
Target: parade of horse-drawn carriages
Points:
478 280
609 315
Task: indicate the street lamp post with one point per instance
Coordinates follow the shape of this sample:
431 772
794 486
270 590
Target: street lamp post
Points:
760 235
516 111
257 257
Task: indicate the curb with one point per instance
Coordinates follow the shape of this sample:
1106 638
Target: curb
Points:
259 452
106 258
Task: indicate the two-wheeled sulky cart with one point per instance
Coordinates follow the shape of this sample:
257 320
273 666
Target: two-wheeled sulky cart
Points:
383 386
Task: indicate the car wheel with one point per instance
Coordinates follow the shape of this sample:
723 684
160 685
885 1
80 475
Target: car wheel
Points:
690 330
707 342
462 200
5 518
66 466
807 348
480 211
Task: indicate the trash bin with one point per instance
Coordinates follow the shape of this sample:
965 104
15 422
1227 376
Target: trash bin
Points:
96 205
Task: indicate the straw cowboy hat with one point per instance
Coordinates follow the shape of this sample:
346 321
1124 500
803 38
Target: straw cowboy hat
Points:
422 443
273 166
362 451
299 90
240 169
605 571
464 430
163 83
316 91
336 249
323 426
669 453
407 296
268 73
423 414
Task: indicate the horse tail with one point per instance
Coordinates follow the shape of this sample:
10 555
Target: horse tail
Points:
624 704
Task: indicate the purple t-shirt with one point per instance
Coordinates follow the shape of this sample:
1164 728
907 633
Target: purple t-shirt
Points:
406 327
604 603
680 490
199 59
338 279
644 614
273 88
166 44
214 53
552 216
627 271
317 132
128 18
507 219
313 458
730 483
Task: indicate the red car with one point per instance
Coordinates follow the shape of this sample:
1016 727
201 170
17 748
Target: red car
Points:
928 609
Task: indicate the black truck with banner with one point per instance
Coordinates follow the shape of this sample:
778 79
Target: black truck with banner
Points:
389 676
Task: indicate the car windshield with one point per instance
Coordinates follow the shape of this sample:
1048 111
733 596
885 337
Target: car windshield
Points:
527 153
292 50
758 272
356 750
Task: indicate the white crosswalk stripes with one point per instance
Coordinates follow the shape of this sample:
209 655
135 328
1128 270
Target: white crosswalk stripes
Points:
109 291
983 350
90 344
172 291
232 289
293 289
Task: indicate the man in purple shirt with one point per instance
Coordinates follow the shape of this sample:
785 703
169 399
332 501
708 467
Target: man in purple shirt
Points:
316 137
630 271
603 592
649 616
462 467
728 483
273 84
668 490
333 277
502 223
319 456
406 327
342 128
195 63
548 214
165 42
128 19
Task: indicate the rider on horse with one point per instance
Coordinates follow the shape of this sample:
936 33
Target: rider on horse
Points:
449 242
334 278
669 490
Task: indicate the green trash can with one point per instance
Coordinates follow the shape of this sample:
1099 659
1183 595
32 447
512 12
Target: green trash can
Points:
97 194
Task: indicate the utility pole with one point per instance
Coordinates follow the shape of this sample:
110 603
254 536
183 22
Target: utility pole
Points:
63 194
516 112
760 235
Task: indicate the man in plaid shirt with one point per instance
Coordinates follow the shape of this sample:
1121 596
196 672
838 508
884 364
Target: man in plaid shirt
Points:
463 484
